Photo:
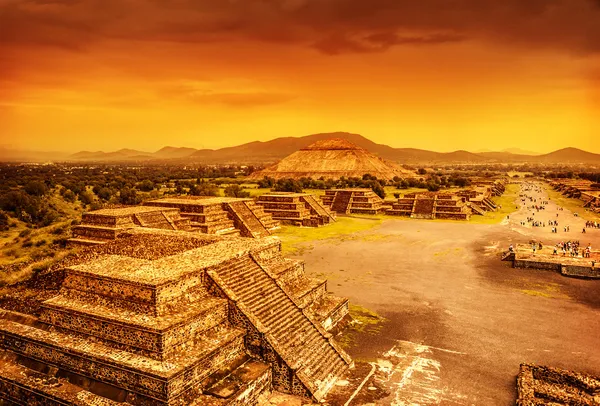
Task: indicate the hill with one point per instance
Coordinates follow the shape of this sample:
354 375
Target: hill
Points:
269 152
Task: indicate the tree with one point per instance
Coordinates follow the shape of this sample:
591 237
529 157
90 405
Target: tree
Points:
104 193
378 189
86 197
128 196
288 185
204 189
36 188
69 196
422 171
146 185
236 191
4 224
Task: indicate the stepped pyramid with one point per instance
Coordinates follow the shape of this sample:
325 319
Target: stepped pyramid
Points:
168 318
355 201
299 209
332 159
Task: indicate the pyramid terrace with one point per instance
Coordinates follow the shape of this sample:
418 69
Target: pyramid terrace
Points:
160 317
300 209
220 216
353 201
431 206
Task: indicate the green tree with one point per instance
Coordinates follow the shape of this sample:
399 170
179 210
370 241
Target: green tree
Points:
128 196
36 188
146 185
204 189
236 191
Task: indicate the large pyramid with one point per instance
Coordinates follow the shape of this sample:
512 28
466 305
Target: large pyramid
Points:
332 159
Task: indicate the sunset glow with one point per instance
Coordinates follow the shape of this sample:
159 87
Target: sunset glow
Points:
436 74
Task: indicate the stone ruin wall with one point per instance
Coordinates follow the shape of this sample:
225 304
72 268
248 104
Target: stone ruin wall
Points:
539 385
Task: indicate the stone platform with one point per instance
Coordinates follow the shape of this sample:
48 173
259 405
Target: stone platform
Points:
431 206
566 265
100 226
161 317
353 201
299 209
222 215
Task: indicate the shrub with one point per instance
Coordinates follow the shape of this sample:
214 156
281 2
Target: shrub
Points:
36 188
4 224
25 233
204 189
236 191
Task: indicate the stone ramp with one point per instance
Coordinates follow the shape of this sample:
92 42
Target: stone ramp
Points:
303 344
246 220
423 208
319 208
476 209
341 202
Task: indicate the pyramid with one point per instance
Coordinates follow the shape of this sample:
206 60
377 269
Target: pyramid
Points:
332 159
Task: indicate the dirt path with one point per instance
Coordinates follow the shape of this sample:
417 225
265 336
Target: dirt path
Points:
459 321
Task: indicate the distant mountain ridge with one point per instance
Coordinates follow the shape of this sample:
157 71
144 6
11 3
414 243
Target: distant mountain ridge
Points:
269 152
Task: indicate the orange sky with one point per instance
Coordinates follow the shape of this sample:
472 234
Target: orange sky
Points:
434 74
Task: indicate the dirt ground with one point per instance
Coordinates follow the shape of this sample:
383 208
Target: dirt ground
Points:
458 320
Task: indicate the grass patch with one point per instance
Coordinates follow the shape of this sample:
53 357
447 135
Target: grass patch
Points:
343 229
508 203
574 205
364 321
549 290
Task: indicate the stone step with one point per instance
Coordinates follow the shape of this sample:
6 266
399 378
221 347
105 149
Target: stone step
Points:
86 241
156 337
300 341
19 383
145 376
244 384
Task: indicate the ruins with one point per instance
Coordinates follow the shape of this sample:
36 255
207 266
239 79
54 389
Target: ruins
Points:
332 159
479 197
584 190
352 201
161 317
300 209
540 385
219 215
103 225
222 215
431 206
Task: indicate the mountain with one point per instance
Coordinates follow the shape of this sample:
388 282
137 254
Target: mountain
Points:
569 155
174 152
120 155
519 151
269 152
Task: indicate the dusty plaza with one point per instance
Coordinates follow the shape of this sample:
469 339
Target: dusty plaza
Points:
458 320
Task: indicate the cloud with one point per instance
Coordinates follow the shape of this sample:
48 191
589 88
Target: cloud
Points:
329 26
381 41
233 93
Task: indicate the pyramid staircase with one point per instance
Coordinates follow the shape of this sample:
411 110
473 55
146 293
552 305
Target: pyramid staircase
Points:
303 345
318 209
246 220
